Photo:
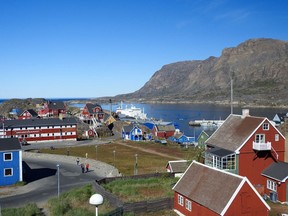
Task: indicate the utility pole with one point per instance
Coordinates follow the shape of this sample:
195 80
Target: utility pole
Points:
231 95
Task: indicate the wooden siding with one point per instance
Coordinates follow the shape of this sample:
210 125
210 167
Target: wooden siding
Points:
247 203
252 163
14 164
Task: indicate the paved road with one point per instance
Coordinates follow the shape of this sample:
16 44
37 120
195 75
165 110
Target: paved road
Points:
42 178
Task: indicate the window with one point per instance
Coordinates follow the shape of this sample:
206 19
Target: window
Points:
271 185
265 126
276 137
188 205
180 200
8 172
260 138
8 156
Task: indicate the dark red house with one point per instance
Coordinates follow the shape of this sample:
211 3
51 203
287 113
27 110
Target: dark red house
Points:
92 111
163 131
28 114
277 181
203 190
53 108
245 145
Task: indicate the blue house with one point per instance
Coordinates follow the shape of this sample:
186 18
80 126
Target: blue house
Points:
132 132
183 139
10 161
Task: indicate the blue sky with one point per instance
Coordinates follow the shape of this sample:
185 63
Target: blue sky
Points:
95 48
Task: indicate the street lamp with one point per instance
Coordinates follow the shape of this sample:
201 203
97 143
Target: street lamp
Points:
114 152
96 199
136 165
96 146
58 173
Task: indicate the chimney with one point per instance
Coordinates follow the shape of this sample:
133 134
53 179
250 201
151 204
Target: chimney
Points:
245 113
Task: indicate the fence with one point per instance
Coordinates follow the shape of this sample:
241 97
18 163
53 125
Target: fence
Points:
136 207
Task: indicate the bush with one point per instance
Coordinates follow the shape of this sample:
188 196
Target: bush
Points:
28 210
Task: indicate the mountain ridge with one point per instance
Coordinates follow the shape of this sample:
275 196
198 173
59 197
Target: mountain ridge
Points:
258 67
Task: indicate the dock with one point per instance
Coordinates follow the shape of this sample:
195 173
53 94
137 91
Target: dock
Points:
206 123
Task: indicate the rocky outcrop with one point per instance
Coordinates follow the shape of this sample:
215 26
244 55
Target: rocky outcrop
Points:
258 67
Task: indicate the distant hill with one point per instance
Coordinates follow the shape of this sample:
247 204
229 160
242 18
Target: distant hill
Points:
258 67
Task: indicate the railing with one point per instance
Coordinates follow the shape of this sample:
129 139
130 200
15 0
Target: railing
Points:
262 146
274 153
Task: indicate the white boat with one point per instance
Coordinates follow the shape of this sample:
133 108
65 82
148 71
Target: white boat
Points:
132 111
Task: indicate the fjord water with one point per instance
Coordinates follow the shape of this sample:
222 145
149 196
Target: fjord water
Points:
181 114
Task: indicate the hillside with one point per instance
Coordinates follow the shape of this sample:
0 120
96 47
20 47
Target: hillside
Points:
258 67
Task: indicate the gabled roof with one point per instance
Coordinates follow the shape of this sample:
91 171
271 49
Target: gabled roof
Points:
204 185
165 127
9 144
277 171
31 111
129 127
233 133
178 166
90 108
56 105
38 122
281 116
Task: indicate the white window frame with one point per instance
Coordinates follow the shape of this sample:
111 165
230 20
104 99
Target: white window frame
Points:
271 185
265 126
180 200
7 154
276 137
259 138
8 169
188 205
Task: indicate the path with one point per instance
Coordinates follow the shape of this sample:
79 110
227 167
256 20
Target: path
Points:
149 151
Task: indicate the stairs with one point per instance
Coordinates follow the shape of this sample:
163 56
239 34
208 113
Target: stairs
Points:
274 153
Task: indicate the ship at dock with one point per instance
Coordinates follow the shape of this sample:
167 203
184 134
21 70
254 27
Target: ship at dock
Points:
131 111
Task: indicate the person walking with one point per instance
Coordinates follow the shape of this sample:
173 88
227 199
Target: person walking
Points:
82 167
87 167
77 161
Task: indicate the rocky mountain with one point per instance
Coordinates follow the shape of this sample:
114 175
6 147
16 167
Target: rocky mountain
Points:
258 68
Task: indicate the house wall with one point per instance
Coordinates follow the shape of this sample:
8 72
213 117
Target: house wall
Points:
281 190
247 203
43 133
197 210
25 115
252 163
16 175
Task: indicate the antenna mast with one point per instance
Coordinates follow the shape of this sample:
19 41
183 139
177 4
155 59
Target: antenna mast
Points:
231 95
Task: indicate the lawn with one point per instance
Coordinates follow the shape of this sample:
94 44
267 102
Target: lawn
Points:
151 157
135 190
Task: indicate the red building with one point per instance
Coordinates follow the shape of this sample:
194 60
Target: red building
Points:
28 114
92 111
277 182
163 131
203 190
53 108
32 130
245 145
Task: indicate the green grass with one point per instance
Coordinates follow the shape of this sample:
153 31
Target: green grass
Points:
125 156
28 210
76 202
135 190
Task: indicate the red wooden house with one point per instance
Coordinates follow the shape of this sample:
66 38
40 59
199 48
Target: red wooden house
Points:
277 181
245 145
92 111
28 114
53 108
203 190
163 131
